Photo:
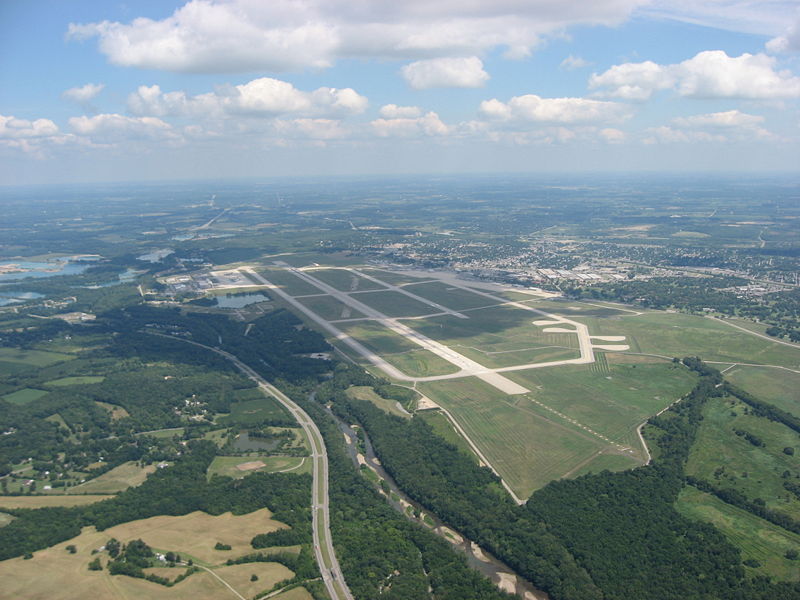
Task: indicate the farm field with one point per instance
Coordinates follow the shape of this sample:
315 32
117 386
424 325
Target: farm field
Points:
50 500
192 535
33 358
24 396
119 478
527 448
256 410
756 538
776 386
78 380
727 460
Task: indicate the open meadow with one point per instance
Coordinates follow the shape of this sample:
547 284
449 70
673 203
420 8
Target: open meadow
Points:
119 478
776 386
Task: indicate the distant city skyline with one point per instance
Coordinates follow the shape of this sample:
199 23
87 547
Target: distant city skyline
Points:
108 91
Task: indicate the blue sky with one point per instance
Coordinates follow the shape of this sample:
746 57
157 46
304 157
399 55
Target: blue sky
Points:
99 91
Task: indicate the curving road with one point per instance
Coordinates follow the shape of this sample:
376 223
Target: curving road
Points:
323 545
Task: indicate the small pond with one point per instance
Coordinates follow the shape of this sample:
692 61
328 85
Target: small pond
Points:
247 444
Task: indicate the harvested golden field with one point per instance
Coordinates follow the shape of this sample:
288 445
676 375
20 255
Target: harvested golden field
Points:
56 573
47 501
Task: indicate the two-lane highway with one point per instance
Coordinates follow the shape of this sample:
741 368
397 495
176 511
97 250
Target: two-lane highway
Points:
323 545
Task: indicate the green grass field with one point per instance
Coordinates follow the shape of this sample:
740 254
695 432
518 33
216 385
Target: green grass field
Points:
499 337
364 392
80 380
613 400
395 304
451 297
604 461
344 281
34 358
24 396
527 448
227 465
292 285
393 278
330 308
727 460
119 478
777 386
420 363
254 411
757 539
444 428
377 338
676 334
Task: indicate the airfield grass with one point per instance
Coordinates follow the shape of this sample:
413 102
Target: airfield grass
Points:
116 412
777 386
726 460
34 358
119 478
606 461
226 465
613 400
527 449
756 538
192 536
451 297
393 277
344 280
677 334
420 363
330 309
365 392
289 283
78 380
377 337
395 304
525 356
50 500
24 396
442 426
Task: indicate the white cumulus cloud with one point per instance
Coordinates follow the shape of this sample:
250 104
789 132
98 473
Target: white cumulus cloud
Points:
446 73
260 97
709 74
788 42
281 35
84 93
109 128
428 124
532 108
393 111
573 62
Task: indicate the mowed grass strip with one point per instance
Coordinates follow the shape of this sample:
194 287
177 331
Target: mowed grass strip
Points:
451 297
727 460
289 283
526 449
120 478
756 538
442 426
612 403
24 396
56 573
330 308
395 304
344 280
78 380
34 358
49 501
777 386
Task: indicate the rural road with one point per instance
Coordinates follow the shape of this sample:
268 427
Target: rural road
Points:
323 545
